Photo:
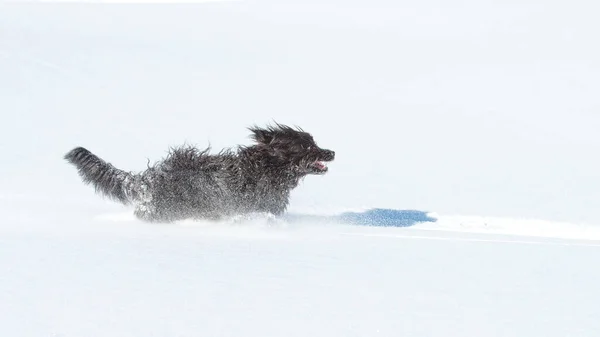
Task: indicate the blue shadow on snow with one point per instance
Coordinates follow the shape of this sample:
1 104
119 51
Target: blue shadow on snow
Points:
378 217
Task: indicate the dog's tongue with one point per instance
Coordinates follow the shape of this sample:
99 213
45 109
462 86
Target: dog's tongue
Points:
320 165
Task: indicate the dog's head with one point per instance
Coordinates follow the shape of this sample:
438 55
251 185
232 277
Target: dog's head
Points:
293 146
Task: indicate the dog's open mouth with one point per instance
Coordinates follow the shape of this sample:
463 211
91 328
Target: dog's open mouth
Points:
318 167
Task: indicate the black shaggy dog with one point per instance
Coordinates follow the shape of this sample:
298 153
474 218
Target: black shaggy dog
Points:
193 184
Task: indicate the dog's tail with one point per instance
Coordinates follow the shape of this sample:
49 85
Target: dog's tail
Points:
106 179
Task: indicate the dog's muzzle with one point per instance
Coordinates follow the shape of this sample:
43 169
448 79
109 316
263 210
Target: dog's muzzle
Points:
328 155
318 166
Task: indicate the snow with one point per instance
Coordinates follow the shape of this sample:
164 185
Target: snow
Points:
123 278
461 201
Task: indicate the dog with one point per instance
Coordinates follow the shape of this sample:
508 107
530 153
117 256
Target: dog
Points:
193 184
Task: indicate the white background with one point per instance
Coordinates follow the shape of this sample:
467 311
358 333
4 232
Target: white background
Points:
469 107
482 108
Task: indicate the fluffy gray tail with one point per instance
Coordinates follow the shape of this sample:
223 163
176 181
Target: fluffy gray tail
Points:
106 179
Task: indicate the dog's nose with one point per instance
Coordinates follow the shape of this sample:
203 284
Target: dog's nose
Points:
330 154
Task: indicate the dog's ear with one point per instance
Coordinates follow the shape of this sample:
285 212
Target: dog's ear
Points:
261 136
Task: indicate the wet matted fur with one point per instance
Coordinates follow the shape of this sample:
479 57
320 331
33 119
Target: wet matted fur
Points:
194 184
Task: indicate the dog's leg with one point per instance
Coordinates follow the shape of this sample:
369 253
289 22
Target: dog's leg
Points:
144 212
